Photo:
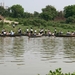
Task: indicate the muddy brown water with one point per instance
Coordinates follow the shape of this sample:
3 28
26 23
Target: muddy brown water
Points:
24 56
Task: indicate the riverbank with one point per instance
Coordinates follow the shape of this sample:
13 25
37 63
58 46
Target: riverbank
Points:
37 24
9 27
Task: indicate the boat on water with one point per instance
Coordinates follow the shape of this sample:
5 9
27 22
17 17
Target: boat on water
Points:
35 36
15 35
65 35
9 35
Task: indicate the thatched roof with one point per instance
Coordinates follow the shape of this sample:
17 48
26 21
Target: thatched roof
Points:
1 17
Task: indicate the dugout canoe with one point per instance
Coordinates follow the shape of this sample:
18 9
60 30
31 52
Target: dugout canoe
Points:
65 35
10 35
35 36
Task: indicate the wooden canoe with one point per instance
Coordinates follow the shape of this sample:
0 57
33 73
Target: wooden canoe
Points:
9 35
65 35
35 36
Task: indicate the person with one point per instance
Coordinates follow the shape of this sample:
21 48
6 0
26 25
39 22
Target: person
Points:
35 32
19 31
31 30
68 33
72 33
27 30
29 34
3 30
49 33
53 34
55 31
13 25
12 32
41 31
45 32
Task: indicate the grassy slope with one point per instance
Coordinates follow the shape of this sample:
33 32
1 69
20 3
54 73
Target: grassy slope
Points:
51 25
51 28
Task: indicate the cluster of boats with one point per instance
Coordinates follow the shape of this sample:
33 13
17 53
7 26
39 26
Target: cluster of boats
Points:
34 34
18 35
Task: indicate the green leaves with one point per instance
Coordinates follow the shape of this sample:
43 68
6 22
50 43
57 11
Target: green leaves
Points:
17 11
48 13
59 72
69 11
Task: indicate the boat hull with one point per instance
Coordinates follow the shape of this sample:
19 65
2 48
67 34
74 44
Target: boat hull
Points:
65 35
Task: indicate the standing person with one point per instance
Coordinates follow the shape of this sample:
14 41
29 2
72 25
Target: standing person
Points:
13 25
19 31
45 32
27 30
31 30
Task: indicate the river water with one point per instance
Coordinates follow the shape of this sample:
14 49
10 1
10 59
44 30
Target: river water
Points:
32 56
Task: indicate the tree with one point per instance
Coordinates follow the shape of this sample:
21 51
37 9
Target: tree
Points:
69 11
27 15
70 20
2 10
17 11
60 16
48 13
36 14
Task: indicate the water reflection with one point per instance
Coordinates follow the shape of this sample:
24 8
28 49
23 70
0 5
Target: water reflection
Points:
52 48
69 48
18 47
59 48
11 49
36 55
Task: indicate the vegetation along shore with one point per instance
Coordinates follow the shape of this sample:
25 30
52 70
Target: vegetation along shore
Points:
49 18
58 72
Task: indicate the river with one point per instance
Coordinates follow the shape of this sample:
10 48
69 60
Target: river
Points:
32 56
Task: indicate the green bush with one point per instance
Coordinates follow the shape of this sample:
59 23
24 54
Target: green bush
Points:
59 72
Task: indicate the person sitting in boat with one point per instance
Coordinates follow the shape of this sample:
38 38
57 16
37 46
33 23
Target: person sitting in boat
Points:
9 33
68 33
39 34
53 34
35 32
12 32
60 33
72 33
3 31
49 33
41 31
29 34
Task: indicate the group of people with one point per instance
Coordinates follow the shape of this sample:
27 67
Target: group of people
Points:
70 33
11 32
40 32
29 32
